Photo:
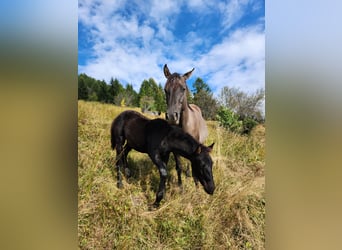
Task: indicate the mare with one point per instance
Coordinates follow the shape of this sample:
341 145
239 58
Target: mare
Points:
158 139
180 113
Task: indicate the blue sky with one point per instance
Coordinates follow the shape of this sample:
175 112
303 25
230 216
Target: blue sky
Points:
132 40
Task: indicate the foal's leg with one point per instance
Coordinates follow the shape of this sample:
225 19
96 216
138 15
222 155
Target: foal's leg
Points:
161 164
187 172
178 168
196 181
125 153
119 160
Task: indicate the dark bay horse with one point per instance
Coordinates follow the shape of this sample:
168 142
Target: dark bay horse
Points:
158 139
179 112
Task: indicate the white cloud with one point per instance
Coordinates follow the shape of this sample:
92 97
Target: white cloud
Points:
135 46
238 61
233 10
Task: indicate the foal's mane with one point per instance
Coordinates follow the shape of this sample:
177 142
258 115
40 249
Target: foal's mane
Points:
178 134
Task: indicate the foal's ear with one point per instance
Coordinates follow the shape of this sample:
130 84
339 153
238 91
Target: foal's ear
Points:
188 74
211 147
199 149
166 71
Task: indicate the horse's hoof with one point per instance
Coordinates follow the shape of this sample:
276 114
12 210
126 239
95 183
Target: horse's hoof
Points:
120 185
187 173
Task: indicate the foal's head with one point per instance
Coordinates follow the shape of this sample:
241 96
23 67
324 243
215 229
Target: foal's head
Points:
175 90
202 168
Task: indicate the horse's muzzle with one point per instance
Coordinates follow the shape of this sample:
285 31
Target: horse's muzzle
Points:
172 118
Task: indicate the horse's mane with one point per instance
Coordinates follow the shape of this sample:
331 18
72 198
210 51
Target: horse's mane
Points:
188 91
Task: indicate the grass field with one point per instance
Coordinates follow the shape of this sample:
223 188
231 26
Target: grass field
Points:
188 218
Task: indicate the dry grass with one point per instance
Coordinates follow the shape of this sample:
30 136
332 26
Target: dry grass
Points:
112 218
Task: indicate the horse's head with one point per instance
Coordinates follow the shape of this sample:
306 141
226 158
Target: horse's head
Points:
202 168
175 91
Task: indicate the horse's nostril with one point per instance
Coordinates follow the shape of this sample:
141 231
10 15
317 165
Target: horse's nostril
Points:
166 116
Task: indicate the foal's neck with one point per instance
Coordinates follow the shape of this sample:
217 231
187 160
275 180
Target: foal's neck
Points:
184 145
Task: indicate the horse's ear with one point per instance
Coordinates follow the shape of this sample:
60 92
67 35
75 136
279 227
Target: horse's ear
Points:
188 74
211 147
166 71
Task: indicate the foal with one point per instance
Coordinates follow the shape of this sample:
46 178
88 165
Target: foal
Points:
157 138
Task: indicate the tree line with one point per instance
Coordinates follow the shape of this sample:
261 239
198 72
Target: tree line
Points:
233 109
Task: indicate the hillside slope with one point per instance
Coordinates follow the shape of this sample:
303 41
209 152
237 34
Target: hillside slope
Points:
112 218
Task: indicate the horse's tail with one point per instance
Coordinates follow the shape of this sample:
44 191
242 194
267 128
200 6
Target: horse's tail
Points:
116 130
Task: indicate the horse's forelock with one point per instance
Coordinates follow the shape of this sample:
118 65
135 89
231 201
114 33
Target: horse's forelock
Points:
174 81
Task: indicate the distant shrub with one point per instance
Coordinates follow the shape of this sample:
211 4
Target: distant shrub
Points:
229 120
248 124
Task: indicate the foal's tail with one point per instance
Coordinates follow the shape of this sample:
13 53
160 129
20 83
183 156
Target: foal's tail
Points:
116 130
112 136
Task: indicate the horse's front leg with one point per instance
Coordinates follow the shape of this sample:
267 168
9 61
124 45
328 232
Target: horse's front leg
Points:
161 164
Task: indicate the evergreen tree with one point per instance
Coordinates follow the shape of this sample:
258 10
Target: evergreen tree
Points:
89 88
204 99
82 89
149 88
207 104
93 96
103 95
146 103
160 100
146 89
200 85
131 96
115 89
111 91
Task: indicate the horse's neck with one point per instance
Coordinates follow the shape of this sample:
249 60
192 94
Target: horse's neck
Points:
185 112
193 123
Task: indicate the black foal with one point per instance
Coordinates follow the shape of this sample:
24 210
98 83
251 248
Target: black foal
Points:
157 138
